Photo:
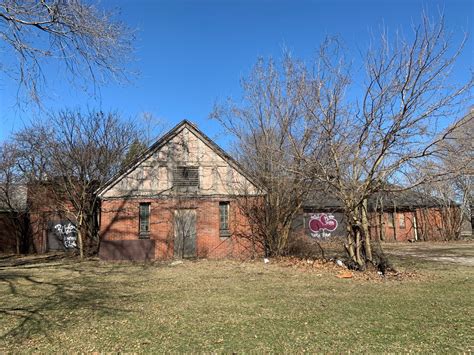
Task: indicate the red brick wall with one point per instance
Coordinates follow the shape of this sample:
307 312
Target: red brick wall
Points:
38 232
119 221
44 207
435 223
393 231
40 221
431 224
8 233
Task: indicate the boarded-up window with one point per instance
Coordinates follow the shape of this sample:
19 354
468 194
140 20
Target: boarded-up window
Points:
144 219
401 221
186 178
224 218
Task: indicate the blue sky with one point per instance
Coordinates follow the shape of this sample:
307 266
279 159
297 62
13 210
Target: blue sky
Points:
192 53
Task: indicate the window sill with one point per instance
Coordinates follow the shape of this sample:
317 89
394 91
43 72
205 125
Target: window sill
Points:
224 233
186 189
144 235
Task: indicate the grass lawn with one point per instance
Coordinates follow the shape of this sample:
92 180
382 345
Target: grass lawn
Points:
226 306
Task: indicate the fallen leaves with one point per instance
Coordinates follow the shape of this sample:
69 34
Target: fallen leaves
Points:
332 268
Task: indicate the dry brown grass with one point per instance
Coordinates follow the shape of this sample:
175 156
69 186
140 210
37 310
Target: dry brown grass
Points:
55 305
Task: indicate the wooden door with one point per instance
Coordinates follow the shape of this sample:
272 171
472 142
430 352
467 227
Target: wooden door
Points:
185 233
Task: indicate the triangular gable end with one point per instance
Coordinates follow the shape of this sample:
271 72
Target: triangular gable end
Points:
151 173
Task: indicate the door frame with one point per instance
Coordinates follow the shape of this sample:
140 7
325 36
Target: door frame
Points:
178 216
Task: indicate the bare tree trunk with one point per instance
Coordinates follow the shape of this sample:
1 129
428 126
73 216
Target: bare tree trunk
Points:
358 244
471 206
349 246
382 222
79 235
366 232
18 241
282 240
415 226
394 220
356 230
422 225
382 226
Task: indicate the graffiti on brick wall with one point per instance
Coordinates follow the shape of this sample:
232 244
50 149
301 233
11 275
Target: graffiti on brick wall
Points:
67 233
321 225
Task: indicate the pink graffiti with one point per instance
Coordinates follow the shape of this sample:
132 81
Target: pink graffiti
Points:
321 222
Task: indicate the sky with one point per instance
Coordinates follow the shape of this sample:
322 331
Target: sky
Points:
192 54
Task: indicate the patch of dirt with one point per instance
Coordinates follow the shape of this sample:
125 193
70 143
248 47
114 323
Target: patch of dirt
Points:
453 252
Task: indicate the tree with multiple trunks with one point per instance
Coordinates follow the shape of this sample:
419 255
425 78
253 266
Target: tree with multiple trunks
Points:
323 127
273 142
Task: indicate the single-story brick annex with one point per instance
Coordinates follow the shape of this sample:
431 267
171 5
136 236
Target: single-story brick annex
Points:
393 217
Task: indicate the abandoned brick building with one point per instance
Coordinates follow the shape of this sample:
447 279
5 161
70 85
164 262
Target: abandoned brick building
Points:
33 221
181 198
393 217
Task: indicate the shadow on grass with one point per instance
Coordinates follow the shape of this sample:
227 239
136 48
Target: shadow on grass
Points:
20 260
45 294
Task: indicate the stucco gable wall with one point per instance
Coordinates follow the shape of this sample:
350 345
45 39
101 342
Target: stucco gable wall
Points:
154 176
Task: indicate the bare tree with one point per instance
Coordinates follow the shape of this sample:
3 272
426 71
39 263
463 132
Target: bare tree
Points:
84 41
377 141
273 142
359 141
459 159
453 169
78 154
13 196
444 219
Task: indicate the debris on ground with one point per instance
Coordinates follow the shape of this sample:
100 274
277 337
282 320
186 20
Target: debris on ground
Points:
176 262
332 267
345 275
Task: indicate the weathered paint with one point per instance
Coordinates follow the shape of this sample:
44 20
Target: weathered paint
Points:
183 223
184 233
154 175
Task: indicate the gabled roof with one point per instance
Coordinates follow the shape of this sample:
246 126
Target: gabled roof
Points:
166 138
